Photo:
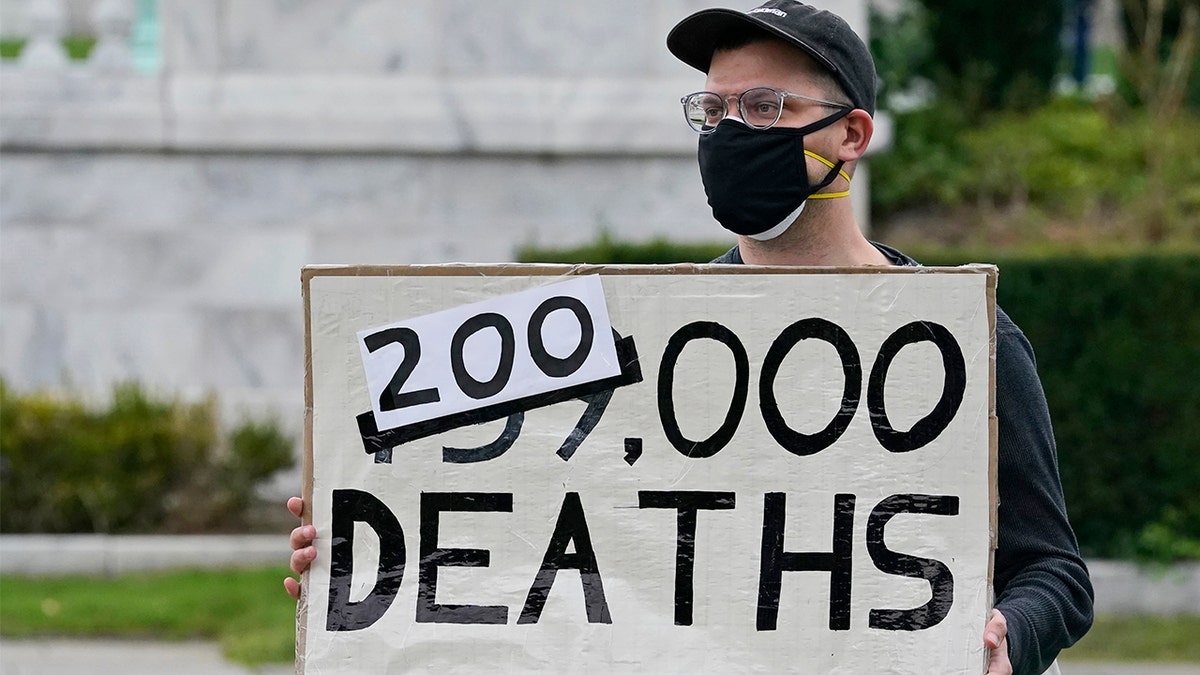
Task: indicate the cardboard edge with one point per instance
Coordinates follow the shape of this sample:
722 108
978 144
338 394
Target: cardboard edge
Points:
992 281
556 269
310 272
306 487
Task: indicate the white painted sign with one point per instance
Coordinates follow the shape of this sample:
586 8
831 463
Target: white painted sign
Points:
648 469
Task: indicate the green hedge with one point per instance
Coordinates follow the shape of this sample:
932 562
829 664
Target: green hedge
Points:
1117 339
138 465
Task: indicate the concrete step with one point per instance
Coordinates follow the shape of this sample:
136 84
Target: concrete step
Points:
69 657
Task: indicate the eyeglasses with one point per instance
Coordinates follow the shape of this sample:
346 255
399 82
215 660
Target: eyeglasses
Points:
759 107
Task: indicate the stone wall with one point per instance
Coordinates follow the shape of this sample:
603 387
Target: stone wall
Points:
153 226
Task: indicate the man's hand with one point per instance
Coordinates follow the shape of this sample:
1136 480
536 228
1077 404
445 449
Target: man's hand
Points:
995 638
303 551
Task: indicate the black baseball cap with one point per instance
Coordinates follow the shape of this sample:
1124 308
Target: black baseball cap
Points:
823 35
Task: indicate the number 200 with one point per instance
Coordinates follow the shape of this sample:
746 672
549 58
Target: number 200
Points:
393 398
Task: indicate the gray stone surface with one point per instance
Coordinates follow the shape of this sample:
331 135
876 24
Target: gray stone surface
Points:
182 271
422 36
526 76
213 198
153 227
105 555
1127 589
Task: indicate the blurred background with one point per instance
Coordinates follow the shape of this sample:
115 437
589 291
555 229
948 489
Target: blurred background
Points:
168 166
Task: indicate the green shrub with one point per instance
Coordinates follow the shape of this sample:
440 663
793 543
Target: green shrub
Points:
925 165
77 47
994 54
1117 339
1068 171
140 465
899 41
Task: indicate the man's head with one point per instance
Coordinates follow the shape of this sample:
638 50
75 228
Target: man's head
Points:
785 113
822 35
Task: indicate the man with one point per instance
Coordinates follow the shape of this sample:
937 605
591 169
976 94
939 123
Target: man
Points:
785 115
818 121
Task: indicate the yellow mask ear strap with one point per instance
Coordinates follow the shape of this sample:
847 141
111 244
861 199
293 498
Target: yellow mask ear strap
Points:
843 174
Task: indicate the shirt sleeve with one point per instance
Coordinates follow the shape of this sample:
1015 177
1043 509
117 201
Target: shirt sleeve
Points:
1041 582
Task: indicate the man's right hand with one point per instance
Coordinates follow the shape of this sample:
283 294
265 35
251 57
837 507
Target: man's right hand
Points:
303 551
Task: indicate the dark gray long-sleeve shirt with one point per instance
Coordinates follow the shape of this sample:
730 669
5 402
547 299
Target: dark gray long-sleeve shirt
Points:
1041 583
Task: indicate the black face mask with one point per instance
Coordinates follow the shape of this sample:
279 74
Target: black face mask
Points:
756 179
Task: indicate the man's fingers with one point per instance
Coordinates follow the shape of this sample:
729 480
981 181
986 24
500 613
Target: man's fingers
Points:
302 558
302 550
303 536
998 663
292 587
996 630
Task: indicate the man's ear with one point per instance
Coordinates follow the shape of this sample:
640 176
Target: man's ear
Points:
859 127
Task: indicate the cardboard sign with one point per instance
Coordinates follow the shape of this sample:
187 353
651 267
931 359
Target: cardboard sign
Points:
648 468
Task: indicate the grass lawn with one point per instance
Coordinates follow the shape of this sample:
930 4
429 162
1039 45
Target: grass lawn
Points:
1139 638
246 611
253 619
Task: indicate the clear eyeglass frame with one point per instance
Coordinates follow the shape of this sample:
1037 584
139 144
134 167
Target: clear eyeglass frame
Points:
759 107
